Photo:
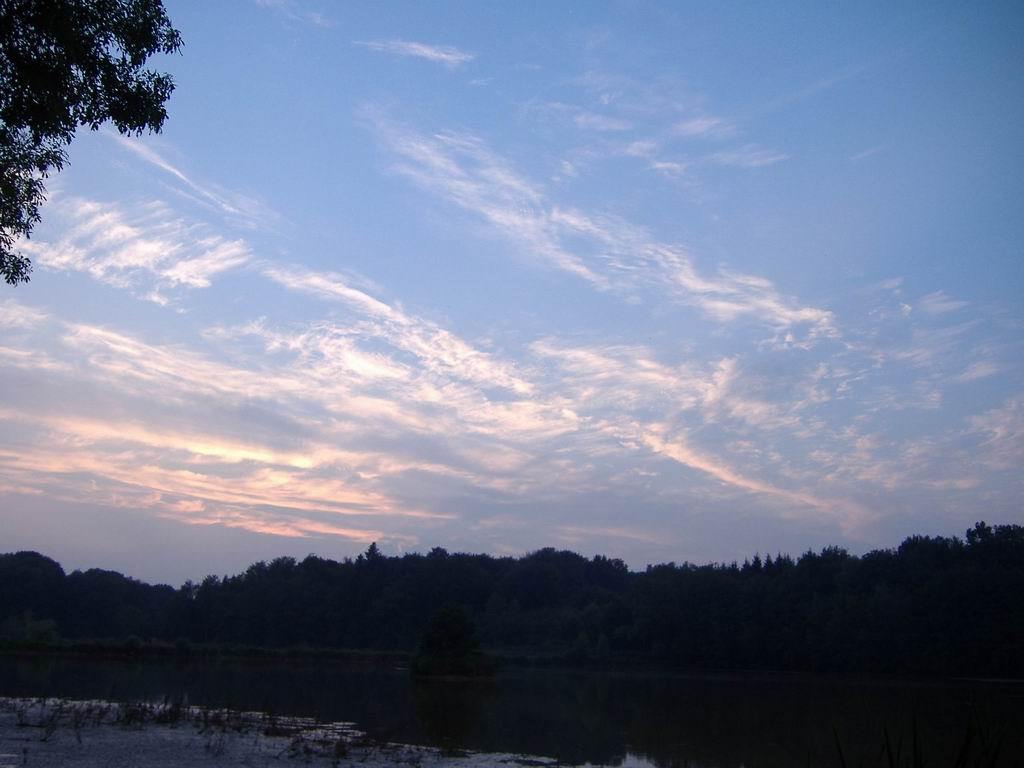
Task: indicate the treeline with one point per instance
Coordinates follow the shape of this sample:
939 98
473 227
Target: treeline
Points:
932 605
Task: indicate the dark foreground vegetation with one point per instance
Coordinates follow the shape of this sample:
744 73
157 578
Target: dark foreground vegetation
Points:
934 605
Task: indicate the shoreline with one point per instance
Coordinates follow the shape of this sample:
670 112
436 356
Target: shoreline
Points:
47 733
161 652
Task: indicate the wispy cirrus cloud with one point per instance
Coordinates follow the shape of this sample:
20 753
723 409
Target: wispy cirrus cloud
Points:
669 123
218 256
980 369
447 55
581 328
594 118
293 11
643 406
675 447
384 421
385 374
380 415
235 207
14 315
748 156
147 461
579 534
651 152
704 127
465 172
596 122
864 154
147 248
436 348
939 303
1000 432
605 251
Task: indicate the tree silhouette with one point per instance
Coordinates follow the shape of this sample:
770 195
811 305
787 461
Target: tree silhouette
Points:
449 635
448 645
66 64
934 604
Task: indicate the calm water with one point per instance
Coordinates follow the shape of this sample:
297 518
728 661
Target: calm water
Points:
601 719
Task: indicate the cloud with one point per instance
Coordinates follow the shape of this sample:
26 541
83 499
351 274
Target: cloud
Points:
447 55
849 514
30 360
367 419
621 379
605 251
236 207
329 286
564 114
939 303
436 348
387 371
930 346
823 84
383 373
146 248
668 167
379 418
704 127
576 534
980 369
15 315
149 462
1000 432
293 11
891 284
221 257
646 148
123 472
748 156
637 398
864 154
722 398
196 513
466 173
633 399
596 122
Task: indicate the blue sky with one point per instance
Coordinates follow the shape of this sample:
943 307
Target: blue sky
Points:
658 282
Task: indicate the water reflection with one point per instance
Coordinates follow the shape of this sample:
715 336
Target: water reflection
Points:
578 718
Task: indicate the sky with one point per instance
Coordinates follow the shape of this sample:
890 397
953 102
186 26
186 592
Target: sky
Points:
657 281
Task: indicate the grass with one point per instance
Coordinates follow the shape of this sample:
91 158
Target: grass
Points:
981 747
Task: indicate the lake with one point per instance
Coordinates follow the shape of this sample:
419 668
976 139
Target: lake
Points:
577 717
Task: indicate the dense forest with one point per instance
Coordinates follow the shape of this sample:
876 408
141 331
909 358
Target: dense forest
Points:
933 605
